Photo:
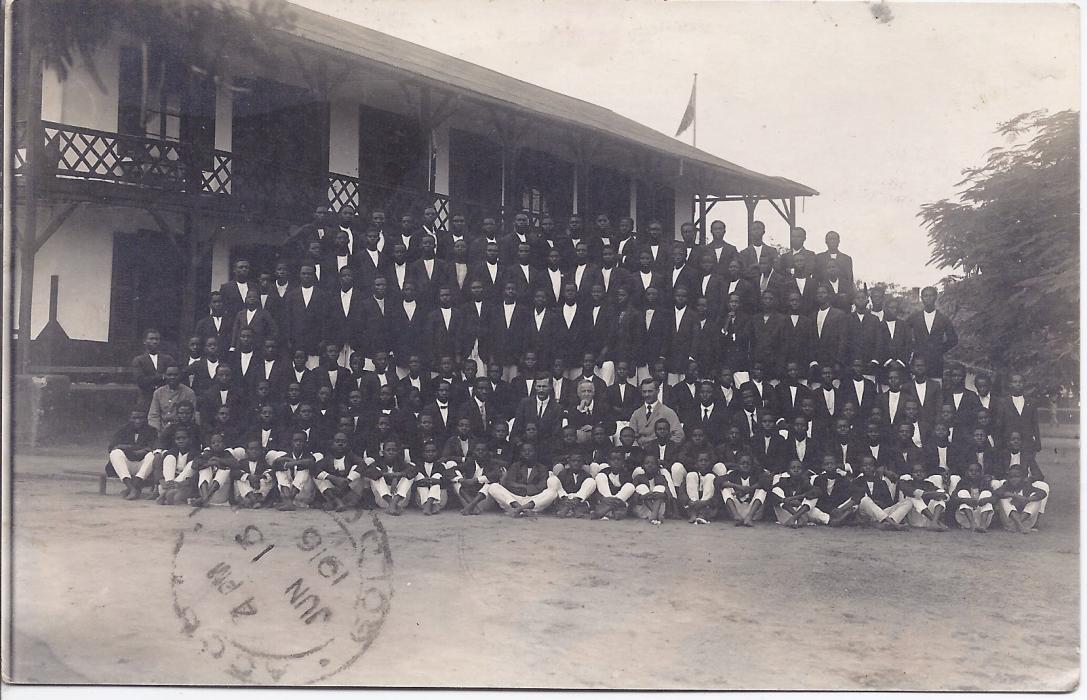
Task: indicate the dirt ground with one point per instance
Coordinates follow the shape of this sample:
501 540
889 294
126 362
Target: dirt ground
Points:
489 601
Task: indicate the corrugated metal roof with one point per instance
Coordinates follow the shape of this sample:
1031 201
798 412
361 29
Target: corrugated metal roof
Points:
491 85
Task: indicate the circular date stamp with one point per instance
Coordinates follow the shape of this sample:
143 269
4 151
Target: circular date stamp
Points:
280 605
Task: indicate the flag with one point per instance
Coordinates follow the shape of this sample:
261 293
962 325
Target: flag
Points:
688 114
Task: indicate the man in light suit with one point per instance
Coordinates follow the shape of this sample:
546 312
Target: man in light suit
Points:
645 417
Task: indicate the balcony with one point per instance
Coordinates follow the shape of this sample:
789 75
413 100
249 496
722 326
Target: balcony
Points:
75 155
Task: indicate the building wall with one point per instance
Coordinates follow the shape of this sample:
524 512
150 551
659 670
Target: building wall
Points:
81 254
343 138
440 143
79 100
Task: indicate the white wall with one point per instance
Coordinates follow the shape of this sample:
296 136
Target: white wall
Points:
81 253
79 100
224 117
343 138
441 159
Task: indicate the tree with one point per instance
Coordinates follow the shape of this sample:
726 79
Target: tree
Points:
1012 237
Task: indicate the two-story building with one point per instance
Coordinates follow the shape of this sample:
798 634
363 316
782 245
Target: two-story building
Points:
145 190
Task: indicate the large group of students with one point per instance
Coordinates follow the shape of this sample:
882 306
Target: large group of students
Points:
589 371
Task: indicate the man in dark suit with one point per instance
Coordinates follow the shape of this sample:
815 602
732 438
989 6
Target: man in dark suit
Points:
429 272
305 311
244 361
858 390
746 418
768 336
790 392
458 231
925 391
863 331
478 409
376 320
332 374
710 285
273 368
369 261
933 333
488 272
524 273
235 291
800 337
832 254
756 252
542 409
441 328
345 319
220 392
720 251
965 403
470 334
612 274
216 324
408 236
770 279
623 395
254 319
583 273
149 367
1018 413
654 330
707 413
644 277
589 410
505 328
841 290
522 233
658 245
681 274
830 330
895 344
684 326
407 326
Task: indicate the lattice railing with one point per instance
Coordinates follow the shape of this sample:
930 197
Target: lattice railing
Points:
70 152
217 180
343 191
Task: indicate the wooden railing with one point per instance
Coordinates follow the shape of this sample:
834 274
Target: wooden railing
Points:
79 153
70 152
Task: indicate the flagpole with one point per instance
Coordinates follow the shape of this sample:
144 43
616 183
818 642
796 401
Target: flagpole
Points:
694 119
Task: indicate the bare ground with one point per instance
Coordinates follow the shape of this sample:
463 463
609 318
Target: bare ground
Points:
489 601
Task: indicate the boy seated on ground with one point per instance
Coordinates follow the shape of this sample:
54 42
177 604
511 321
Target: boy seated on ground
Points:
652 484
1020 501
431 480
527 488
876 491
743 491
928 499
337 476
700 488
576 486
1014 454
793 496
834 505
293 473
472 478
501 449
186 420
254 477
974 500
214 468
614 484
131 452
390 478
178 477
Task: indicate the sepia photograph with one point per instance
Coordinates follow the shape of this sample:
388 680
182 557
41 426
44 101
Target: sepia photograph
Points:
541 345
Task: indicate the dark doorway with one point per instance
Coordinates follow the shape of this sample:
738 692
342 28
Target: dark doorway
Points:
146 290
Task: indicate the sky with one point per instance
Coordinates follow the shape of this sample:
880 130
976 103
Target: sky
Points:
879 108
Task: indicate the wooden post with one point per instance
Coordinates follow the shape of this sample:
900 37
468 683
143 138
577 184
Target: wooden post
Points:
701 219
792 213
751 203
190 247
28 240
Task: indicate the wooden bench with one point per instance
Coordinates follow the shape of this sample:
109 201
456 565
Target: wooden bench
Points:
109 374
98 474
